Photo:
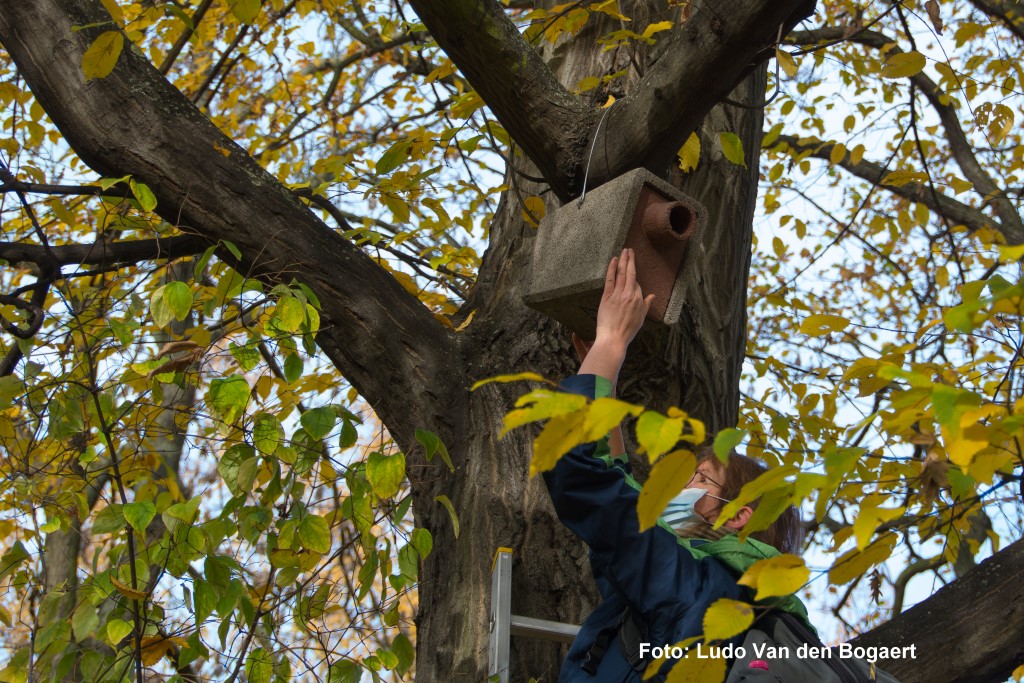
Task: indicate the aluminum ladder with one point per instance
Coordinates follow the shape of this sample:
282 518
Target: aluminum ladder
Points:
504 624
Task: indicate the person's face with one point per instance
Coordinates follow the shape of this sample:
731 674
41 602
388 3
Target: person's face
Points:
708 477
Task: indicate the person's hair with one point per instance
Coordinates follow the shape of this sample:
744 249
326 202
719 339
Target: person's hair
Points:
785 533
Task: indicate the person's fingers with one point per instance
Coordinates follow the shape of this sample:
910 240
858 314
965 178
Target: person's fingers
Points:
609 278
648 301
620 275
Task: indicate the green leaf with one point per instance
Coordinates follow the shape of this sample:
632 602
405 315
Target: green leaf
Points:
117 629
12 559
144 195
348 435
109 520
204 600
267 434
315 533
689 153
394 156
230 246
235 471
725 441
228 397
403 649
85 621
726 618
422 541
344 671
903 65
443 500
259 666
101 57
245 11
732 148
385 473
319 422
291 313
139 515
172 301
292 368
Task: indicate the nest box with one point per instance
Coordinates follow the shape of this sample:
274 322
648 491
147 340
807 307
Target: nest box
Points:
574 244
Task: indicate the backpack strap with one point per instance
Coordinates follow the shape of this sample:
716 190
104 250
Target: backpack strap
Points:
629 641
595 654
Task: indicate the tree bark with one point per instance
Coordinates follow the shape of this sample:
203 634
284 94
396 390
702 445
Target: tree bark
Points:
970 631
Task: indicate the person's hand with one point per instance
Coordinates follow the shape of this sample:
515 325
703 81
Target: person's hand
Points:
619 317
623 305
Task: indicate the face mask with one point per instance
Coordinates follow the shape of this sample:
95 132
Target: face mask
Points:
680 509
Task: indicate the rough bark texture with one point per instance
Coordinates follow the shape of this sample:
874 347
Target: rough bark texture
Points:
695 365
970 631
390 348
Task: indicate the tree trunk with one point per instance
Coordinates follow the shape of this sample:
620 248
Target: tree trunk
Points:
695 365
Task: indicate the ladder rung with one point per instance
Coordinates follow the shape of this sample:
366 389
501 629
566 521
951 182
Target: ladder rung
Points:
543 629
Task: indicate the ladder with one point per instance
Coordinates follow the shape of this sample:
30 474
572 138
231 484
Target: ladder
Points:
504 624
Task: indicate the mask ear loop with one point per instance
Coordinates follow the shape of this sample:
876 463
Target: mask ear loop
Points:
593 144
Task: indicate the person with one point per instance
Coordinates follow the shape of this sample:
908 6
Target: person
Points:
657 584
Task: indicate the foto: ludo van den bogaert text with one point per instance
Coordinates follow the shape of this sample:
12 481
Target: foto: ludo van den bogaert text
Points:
768 652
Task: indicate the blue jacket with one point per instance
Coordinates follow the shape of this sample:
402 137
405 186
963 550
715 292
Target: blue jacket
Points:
667 582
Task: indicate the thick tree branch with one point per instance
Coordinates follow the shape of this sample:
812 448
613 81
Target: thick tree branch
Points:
379 335
1010 12
105 253
708 56
546 120
970 631
955 211
958 143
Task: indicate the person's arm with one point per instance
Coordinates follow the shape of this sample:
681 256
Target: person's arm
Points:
616 444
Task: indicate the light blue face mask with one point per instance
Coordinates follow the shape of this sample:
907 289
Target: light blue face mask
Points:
681 510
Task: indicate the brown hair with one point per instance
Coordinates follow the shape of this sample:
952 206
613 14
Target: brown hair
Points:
785 533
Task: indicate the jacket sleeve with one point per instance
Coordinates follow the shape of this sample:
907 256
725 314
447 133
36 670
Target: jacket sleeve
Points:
596 500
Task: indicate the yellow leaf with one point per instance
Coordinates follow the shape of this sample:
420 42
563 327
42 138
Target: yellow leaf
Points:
668 477
519 377
854 563
903 65
609 102
533 210
605 414
963 448
540 405
127 590
99 60
689 153
560 435
959 185
786 61
901 178
782 575
690 669
657 433
1018 674
465 323
656 28
726 618
857 154
838 153
820 325
155 647
870 517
